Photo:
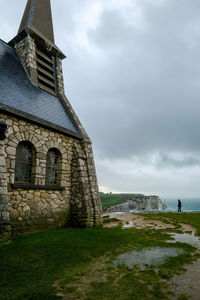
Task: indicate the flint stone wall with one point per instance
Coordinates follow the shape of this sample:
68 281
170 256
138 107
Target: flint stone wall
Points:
77 200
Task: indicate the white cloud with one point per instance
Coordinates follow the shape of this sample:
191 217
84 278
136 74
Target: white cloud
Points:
86 20
143 177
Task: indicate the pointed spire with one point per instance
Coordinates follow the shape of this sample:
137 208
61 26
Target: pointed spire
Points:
38 17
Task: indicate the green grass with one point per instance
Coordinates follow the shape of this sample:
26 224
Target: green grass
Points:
176 218
111 202
109 199
32 263
112 199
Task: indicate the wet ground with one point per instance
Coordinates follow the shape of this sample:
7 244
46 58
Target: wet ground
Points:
187 283
151 256
137 221
186 238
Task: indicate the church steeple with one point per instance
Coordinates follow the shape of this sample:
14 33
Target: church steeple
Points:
38 17
35 46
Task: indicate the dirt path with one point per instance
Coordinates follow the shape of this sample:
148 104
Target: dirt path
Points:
187 283
137 221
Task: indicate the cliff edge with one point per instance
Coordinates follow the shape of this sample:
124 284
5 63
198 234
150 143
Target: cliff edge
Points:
136 202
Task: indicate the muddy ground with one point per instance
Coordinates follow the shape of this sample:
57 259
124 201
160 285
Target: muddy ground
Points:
187 283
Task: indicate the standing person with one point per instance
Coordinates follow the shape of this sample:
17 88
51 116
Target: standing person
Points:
179 205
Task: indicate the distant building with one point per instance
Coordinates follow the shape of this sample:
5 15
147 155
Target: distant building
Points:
47 171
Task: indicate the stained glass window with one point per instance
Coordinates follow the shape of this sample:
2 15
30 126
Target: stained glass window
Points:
52 166
25 157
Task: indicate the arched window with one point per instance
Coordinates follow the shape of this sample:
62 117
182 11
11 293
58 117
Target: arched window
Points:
25 159
53 166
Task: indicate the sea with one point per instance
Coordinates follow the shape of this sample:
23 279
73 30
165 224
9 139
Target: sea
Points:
188 205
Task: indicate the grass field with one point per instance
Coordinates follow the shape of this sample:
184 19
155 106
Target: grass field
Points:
111 199
108 199
79 263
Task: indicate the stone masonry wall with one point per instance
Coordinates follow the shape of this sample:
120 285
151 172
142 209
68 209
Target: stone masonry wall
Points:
33 208
26 50
89 212
40 208
5 228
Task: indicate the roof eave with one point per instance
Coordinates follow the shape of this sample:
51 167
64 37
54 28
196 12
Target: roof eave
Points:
15 112
38 36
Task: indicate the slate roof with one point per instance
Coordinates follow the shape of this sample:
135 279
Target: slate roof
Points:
38 16
17 93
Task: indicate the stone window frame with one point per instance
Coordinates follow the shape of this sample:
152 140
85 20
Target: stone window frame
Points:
32 163
11 146
56 168
41 151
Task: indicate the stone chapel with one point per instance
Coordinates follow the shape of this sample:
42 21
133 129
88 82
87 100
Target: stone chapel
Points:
47 171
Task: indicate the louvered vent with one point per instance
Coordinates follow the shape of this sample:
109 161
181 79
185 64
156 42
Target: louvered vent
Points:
46 70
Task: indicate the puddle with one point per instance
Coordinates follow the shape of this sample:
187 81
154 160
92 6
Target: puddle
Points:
191 239
150 256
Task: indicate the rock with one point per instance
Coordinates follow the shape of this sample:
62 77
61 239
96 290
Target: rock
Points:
14 214
26 208
164 205
141 202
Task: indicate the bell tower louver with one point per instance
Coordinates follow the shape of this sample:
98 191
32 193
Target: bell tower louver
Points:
36 48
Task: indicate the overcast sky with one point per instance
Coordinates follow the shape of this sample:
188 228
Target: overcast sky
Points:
132 74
